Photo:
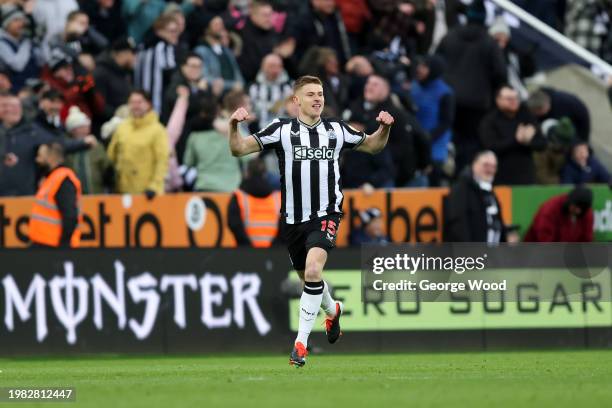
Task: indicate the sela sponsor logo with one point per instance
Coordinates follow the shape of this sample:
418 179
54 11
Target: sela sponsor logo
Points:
312 153
224 301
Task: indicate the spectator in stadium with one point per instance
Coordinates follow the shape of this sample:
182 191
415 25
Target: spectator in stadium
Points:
587 23
513 134
321 25
323 63
564 218
472 212
435 109
113 75
559 134
153 74
583 167
140 15
92 167
208 151
77 37
105 16
56 213
476 68
356 15
520 64
61 73
548 103
51 15
395 26
260 39
189 76
49 108
139 149
271 85
371 230
408 142
358 69
220 67
367 171
176 128
18 53
22 140
253 213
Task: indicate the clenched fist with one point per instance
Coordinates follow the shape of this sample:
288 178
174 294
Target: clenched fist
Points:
385 119
240 115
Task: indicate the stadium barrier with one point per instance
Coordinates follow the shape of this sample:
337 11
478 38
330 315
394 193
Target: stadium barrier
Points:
200 219
222 300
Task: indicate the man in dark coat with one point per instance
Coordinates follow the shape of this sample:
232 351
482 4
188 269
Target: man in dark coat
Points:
472 212
21 142
476 68
408 143
113 75
513 134
548 103
259 39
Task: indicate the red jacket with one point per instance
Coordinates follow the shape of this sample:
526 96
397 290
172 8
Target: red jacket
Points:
81 93
553 224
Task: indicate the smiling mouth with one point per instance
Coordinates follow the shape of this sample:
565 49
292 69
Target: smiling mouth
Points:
316 106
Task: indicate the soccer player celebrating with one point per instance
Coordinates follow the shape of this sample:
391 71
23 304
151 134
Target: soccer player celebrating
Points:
308 149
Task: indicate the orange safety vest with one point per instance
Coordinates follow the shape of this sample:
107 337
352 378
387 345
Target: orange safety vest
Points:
260 217
46 220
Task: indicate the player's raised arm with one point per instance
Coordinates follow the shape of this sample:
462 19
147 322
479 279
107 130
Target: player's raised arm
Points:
377 141
240 145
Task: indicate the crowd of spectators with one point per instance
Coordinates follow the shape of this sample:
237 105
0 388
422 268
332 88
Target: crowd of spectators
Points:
140 91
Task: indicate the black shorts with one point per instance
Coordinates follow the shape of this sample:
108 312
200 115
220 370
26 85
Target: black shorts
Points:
320 232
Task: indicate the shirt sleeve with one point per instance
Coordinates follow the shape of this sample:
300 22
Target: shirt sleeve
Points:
269 137
352 137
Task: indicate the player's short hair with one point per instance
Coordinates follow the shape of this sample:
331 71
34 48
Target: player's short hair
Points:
306 80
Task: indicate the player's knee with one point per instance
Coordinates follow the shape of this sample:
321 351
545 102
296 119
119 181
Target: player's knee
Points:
312 273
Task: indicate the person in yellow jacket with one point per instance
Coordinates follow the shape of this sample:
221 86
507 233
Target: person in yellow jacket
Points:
139 149
56 214
254 209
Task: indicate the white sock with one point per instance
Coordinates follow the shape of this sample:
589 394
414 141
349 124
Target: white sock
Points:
328 304
309 308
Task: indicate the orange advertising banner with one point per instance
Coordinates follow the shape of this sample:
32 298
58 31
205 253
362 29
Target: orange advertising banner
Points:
200 219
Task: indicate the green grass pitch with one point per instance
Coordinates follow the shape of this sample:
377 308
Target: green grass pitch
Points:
514 379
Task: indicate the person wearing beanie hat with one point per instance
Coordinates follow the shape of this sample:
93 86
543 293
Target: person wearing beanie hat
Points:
371 229
476 12
92 166
564 218
583 167
520 63
77 119
559 134
17 52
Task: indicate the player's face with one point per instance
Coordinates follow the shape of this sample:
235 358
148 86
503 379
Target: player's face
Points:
310 100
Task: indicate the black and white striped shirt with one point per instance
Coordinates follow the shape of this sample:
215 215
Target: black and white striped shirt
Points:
308 161
153 66
265 95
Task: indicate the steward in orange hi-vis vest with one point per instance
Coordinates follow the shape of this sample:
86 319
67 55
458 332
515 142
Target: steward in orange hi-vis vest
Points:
260 217
46 223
